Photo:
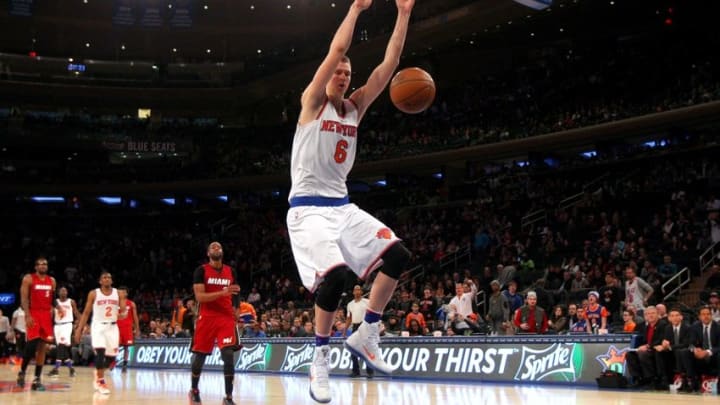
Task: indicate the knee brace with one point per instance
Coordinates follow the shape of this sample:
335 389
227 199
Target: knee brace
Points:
395 260
226 354
330 291
196 366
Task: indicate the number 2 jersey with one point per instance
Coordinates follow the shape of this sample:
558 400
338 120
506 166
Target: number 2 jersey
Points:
323 152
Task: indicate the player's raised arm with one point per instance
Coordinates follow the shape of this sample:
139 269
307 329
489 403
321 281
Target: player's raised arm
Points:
379 78
314 95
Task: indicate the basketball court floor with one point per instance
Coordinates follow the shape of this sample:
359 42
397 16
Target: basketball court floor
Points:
169 387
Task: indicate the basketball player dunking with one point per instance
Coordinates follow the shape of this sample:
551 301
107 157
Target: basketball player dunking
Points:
329 235
106 305
216 291
66 313
36 297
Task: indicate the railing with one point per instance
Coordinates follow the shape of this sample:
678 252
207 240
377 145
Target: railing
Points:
456 257
571 201
481 301
532 218
575 198
707 259
679 280
419 271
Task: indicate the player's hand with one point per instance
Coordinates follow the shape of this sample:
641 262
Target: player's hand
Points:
362 4
232 289
29 321
76 336
405 5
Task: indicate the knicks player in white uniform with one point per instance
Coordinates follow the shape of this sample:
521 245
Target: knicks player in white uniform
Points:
65 314
105 304
329 235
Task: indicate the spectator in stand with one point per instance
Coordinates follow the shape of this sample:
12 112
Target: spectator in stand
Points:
307 330
393 327
637 291
558 321
579 283
595 313
714 304
581 325
428 305
178 313
355 314
629 324
704 353
667 269
675 346
515 301
415 315
414 329
531 318
572 313
662 311
713 282
611 297
188 320
645 365
498 310
461 309
256 330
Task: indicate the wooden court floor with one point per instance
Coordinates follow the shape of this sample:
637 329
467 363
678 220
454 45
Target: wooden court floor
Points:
169 387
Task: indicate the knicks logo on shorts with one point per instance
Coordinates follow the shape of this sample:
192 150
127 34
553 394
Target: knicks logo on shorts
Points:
384 233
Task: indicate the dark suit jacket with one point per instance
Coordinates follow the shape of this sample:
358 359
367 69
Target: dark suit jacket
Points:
685 336
696 336
657 337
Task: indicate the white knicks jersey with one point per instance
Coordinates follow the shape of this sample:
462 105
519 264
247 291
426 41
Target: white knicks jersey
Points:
106 307
66 306
323 152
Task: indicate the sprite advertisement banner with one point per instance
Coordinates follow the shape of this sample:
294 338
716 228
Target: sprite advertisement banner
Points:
557 359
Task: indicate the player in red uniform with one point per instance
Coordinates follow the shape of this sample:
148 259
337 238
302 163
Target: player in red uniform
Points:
129 326
37 292
216 291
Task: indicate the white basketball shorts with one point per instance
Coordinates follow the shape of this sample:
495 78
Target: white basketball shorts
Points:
323 238
63 333
105 336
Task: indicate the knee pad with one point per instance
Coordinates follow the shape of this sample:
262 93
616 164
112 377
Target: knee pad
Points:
226 354
330 291
197 363
395 260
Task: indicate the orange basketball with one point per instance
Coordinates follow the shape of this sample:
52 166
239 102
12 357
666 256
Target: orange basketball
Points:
412 90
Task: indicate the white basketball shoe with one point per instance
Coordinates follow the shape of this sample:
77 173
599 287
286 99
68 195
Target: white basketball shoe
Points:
365 343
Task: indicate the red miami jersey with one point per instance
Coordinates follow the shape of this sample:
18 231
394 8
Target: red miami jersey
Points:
129 320
216 280
41 293
323 152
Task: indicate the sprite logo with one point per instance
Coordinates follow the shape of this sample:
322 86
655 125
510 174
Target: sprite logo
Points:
255 357
298 358
558 362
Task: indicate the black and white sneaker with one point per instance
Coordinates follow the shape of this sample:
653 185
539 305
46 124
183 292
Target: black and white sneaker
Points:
194 397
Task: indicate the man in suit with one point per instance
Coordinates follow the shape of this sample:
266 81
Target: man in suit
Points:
644 365
704 353
675 346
